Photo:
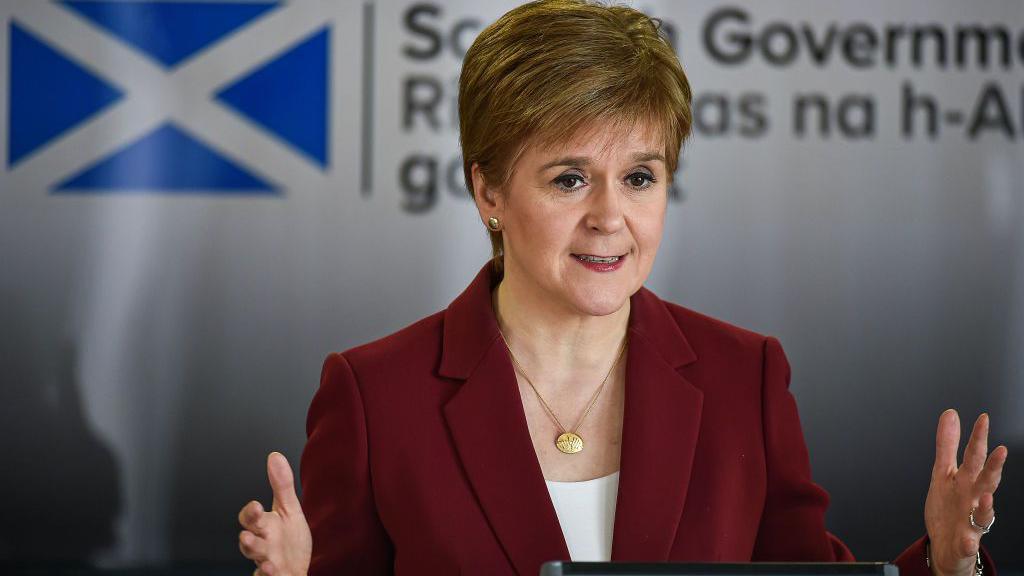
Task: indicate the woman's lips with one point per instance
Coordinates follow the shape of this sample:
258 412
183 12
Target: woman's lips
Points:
599 263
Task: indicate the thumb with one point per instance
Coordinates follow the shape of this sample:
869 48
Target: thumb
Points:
282 482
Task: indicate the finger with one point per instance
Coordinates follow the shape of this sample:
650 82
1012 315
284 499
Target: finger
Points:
985 511
990 476
267 568
252 547
977 448
282 481
251 516
947 438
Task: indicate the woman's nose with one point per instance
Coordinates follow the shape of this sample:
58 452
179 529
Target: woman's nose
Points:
604 214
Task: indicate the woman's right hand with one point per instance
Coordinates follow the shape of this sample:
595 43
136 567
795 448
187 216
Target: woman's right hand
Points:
278 541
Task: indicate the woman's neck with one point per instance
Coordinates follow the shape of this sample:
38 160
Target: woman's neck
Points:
555 344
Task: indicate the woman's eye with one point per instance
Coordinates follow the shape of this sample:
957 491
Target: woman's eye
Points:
640 179
569 181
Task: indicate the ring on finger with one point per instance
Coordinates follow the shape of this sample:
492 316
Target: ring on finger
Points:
982 529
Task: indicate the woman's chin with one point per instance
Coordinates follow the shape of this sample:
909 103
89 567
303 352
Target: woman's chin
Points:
600 303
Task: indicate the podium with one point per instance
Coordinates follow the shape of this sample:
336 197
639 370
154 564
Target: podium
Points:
748 569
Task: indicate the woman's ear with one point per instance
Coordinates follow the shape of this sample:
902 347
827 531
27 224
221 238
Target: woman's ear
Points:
490 202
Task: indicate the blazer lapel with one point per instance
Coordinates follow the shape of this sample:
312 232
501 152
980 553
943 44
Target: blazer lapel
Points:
490 433
660 428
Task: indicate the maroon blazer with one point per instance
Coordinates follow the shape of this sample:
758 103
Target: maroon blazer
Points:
419 460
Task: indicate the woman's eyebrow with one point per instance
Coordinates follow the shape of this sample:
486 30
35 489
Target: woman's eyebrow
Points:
583 161
648 156
567 161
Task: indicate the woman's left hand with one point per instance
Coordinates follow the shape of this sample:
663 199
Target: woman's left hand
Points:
956 491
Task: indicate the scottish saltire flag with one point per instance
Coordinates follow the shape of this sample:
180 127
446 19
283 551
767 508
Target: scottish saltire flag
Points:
130 97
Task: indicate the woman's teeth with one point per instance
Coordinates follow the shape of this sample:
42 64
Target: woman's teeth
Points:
597 259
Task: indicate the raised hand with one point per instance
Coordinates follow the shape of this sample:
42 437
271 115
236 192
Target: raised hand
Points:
956 491
278 541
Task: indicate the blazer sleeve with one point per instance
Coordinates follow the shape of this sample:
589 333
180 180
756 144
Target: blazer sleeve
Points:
337 493
793 522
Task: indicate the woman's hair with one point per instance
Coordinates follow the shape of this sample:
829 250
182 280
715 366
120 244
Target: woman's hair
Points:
549 68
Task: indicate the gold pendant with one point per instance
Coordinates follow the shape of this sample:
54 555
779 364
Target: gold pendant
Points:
569 443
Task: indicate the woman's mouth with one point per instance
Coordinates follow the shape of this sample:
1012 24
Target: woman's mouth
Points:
599 263
597 259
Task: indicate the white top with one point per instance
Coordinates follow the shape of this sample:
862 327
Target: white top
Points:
586 511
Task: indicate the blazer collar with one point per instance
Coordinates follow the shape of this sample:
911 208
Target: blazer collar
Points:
661 422
470 327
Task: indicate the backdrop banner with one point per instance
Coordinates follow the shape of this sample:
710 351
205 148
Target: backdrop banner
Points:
199 201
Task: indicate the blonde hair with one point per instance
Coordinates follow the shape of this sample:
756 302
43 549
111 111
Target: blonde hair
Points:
549 68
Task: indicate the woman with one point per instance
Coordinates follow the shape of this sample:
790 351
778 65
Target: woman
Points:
557 408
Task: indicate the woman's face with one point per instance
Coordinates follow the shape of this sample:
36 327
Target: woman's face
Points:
582 220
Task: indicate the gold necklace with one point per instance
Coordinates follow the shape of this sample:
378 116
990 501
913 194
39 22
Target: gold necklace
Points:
569 441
